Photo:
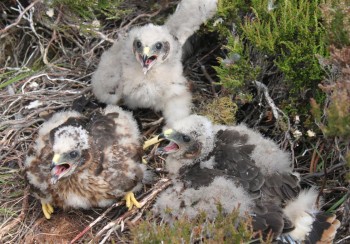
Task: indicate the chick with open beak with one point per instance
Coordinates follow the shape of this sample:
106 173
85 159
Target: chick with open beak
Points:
64 165
179 144
149 55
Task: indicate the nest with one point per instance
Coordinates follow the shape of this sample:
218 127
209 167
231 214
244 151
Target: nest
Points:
47 59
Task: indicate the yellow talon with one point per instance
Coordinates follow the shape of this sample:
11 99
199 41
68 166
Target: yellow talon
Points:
47 209
131 201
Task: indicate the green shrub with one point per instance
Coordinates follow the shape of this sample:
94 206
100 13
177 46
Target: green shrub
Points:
287 35
225 229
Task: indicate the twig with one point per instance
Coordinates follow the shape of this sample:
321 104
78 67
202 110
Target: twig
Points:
139 17
19 219
315 157
153 123
100 34
210 80
319 174
269 100
82 233
342 240
20 16
159 187
275 112
53 37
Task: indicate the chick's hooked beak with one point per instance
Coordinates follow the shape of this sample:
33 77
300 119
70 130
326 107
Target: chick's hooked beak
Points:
147 60
59 168
158 138
169 135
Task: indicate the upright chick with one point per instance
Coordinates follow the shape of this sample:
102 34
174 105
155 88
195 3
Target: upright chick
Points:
144 69
80 162
237 167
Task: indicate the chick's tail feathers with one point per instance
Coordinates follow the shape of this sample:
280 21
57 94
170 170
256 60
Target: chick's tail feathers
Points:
188 17
311 225
323 229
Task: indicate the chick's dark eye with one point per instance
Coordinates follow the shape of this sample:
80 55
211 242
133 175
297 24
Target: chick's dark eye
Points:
138 44
73 154
159 45
186 138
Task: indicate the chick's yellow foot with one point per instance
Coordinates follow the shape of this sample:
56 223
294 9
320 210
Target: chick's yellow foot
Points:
47 209
131 201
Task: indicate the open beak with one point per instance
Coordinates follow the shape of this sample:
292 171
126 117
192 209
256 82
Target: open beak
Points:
157 139
58 168
169 135
147 60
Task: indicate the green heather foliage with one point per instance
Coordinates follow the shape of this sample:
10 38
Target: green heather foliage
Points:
236 69
288 33
225 229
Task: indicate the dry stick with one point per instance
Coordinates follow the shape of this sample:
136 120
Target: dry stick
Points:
324 182
159 187
20 218
77 237
53 37
20 16
319 174
269 100
151 124
140 16
314 158
210 80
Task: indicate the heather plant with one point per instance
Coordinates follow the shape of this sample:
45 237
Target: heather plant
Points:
269 35
224 229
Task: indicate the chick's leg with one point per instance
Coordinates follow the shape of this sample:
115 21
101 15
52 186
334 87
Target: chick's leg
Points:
131 200
47 209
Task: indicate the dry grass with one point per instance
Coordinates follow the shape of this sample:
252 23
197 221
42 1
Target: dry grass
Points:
46 63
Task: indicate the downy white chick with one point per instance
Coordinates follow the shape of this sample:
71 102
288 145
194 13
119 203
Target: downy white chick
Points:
144 69
234 166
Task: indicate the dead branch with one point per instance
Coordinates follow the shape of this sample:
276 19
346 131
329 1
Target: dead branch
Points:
139 17
153 123
92 224
262 87
161 185
19 18
205 72
4 230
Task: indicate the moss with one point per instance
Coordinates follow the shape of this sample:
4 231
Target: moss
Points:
221 110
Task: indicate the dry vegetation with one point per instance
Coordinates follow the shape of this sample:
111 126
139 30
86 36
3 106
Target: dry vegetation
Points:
47 56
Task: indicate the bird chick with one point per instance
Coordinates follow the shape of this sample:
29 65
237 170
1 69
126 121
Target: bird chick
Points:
80 162
144 70
236 167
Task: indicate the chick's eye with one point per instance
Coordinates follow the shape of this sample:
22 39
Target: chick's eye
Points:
138 44
159 45
186 138
73 154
